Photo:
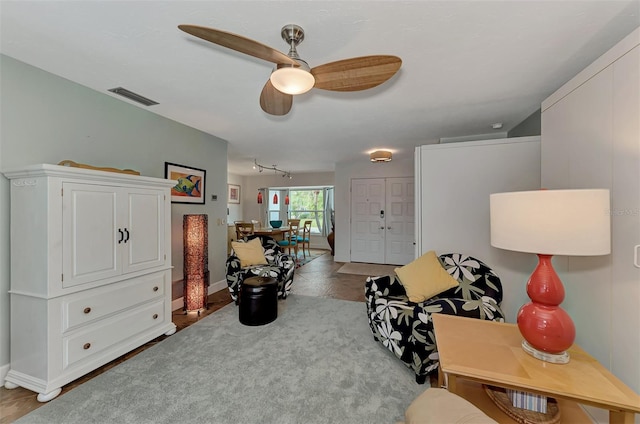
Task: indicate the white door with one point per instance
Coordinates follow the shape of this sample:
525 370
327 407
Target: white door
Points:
382 220
89 233
143 226
400 221
367 220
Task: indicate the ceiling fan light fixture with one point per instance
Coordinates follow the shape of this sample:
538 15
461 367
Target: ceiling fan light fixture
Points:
292 80
380 156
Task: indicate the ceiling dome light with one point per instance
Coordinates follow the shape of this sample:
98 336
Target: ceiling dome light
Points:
380 156
291 80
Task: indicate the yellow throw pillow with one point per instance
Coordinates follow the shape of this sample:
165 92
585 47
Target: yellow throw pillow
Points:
249 253
425 277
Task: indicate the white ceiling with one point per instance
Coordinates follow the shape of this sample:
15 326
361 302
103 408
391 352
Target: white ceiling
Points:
466 65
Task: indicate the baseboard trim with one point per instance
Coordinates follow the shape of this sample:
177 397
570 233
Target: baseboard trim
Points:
4 370
214 287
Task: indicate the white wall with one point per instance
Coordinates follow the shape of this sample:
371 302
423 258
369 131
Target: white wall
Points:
345 172
454 182
235 209
46 119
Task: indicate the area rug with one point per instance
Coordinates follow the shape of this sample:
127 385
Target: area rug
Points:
367 269
305 260
316 363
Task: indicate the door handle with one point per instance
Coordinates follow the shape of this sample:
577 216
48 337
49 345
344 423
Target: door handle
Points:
121 236
388 228
127 233
382 228
636 256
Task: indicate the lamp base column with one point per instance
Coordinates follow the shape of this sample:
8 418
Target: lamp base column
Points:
554 358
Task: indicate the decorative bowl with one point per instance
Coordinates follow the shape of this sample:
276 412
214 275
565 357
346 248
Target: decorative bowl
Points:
276 224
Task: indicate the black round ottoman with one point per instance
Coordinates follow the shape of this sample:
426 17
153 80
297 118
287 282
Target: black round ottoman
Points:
258 301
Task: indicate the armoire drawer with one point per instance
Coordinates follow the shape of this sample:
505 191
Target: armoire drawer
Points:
111 331
85 307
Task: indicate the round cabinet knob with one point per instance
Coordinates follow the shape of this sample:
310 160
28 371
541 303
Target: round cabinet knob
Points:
87 310
86 346
155 316
155 288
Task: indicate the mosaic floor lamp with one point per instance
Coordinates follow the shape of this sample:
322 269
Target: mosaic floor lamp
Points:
196 262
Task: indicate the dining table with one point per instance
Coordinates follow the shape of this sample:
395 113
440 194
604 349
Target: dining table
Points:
276 233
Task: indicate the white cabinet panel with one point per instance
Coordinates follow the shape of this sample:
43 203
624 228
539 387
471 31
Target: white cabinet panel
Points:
110 230
591 139
144 235
94 340
89 232
579 127
625 217
91 305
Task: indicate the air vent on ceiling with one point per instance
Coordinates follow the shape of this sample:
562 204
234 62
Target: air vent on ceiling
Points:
133 96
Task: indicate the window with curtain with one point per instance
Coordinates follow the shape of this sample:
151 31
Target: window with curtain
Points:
309 203
273 213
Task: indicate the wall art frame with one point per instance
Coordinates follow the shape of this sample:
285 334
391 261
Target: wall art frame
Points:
191 183
233 193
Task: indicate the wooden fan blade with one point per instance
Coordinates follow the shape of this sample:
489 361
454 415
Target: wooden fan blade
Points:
239 44
359 73
275 102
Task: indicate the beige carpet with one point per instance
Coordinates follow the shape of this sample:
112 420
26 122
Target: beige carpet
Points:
367 269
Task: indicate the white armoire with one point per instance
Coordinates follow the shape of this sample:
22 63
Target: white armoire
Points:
90 271
591 139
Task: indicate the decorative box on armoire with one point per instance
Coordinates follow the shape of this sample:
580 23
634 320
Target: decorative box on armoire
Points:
90 271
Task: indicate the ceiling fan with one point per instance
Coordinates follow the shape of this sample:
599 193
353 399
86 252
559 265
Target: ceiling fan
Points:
293 76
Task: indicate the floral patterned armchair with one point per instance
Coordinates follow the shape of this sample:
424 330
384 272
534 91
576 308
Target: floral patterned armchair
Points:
406 328
279 266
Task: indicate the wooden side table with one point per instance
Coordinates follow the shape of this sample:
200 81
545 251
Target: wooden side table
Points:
489 352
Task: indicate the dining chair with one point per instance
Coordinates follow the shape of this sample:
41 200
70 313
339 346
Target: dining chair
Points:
290 239
305 237
243 229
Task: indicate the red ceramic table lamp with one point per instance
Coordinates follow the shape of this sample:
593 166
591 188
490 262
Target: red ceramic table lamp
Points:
550 222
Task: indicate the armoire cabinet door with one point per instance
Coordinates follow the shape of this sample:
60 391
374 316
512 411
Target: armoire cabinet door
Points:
143 225
89 233
108 231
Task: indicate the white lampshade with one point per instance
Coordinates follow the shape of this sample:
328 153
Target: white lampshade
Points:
552 222
292 80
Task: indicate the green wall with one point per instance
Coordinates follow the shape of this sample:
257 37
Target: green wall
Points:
46 119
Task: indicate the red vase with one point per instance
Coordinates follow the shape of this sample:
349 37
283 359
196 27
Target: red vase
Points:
542 322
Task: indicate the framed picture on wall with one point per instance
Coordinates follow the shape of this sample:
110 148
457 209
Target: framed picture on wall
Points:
233 193
191 183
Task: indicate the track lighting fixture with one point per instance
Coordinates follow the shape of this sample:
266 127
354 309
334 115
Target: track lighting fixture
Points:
285 174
